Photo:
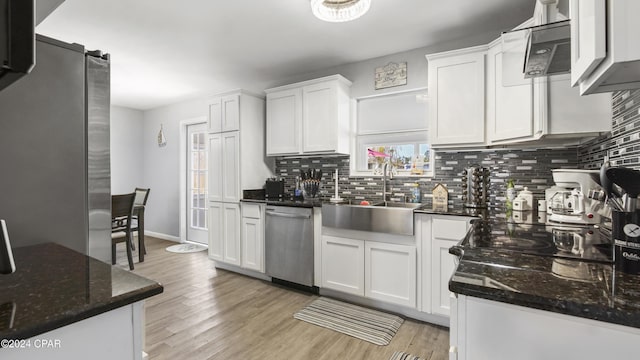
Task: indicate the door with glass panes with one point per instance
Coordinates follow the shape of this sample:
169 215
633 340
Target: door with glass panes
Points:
197 180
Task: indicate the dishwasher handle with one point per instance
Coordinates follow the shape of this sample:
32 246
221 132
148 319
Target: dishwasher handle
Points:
286 215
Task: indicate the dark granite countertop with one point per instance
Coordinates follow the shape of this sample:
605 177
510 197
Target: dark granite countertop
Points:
458 209
587 288
307 203
54 286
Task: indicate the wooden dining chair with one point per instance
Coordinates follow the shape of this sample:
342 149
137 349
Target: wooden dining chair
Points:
142 195
121 219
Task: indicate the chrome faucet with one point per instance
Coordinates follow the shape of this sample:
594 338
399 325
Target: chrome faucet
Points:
386 168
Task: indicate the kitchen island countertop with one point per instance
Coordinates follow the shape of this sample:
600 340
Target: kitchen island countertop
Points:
54 286
588 289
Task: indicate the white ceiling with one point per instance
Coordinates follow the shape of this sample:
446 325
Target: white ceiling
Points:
166 51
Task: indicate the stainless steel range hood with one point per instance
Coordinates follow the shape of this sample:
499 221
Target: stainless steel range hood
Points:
548 50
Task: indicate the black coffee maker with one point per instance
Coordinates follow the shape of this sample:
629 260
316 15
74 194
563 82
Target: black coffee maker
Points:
274 189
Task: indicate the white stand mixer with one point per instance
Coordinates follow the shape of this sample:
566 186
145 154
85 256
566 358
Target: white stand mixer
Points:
567 201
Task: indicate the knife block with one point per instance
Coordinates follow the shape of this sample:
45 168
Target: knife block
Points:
625 231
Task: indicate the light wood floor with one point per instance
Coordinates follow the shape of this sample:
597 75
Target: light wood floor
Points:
207 313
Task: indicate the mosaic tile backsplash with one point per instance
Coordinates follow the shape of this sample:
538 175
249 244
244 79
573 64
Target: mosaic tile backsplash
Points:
528 168
623 144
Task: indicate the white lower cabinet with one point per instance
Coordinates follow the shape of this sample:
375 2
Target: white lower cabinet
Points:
216 245
390 273
253 237
224 232
443 267
231 220
483 329
343 264
436 234
376 270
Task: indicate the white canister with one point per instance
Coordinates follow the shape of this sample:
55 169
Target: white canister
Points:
528 197
542 205
519 204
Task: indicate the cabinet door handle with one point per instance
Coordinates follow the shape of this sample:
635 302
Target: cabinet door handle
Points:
293 216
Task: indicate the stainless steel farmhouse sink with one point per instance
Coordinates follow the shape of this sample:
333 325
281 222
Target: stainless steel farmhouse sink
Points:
383 217
399 205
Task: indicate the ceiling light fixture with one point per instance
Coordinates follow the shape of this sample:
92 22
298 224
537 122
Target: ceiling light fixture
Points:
339 10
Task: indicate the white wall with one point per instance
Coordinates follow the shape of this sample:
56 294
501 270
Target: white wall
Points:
362 73
161 165
126 150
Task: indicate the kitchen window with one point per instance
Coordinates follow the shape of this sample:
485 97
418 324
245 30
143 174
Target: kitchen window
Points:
395 125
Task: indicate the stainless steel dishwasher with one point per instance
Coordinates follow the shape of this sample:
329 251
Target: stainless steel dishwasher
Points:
289 244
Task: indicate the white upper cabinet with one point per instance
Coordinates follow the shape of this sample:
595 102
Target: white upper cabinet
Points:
457 97
588 37
224 113
510 112
311 117
231 112
319 109
544 109
215 115
611 25
479 96
284 122
224 167
215 167
231 191
236 145
524 110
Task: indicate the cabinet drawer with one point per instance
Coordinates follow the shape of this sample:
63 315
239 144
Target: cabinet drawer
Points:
449 229
251 211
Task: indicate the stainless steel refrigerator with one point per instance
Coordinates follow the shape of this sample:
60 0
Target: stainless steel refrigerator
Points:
55 183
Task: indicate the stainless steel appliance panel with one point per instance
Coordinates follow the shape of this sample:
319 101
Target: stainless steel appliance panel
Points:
289 244
98 92
44 150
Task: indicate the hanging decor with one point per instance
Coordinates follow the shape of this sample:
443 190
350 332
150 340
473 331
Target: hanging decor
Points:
391 75
162 141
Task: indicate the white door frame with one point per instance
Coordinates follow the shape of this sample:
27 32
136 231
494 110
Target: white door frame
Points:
183 170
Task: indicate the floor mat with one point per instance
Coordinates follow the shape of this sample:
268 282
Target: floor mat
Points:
186 248
362 323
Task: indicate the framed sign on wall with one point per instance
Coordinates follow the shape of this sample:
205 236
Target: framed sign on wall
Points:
391 75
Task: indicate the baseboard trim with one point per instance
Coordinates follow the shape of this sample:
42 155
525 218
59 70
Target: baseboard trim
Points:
239 270
162 236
